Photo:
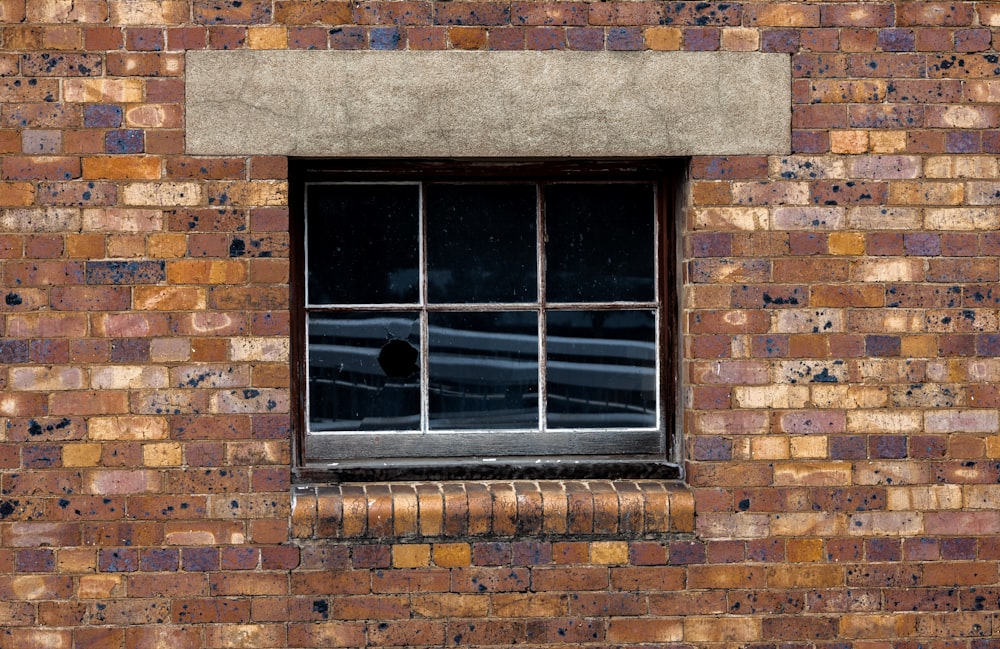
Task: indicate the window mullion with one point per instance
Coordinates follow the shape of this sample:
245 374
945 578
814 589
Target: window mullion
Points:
542 345
425 340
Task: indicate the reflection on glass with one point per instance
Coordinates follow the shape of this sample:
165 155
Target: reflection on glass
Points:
481 243
362 243
364 371
483 370
601 369
600 242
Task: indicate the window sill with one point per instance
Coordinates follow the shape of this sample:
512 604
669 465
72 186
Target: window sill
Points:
495 509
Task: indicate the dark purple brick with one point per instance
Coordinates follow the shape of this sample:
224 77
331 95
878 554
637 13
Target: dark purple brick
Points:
13 351
528 553
988 345
129 350
159 560
963 141
385 38
972 40
767 550
118 560
200 559
847 447
878 345
491 554
961 548
36 560
545 38
347 38
780 40
713 448
816 142
370 556
887 446
922 244
585 38
125 141
102 116
41 456
126 272
884 550
625 38
686 552
702 39
896 40
711 244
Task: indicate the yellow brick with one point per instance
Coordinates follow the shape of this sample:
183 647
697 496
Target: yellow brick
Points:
787 576
718 629
887 141
103 90
126 245
609 552
848 141
415 555
804 550
919 346
168 298
17 194
817 474
162 194
740 39
267 38
769 448
99 586
805 447
165 454
154 116
81 454
76 560
257 192
149 12
923 192
846 243
663 38
452 555
804 524
167 246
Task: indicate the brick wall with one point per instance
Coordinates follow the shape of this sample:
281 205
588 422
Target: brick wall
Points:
841 316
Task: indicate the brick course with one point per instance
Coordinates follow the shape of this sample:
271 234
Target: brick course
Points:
839 335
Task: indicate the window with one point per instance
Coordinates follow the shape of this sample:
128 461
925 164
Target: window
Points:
463 319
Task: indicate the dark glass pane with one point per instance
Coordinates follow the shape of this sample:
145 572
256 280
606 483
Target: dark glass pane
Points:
481 243
601 369
483 370
364 371
362 243
600 242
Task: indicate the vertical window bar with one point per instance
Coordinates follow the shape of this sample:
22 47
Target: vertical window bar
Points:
657 315
306 418
425 372
542 237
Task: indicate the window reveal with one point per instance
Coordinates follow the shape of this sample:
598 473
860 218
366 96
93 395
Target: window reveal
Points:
483 319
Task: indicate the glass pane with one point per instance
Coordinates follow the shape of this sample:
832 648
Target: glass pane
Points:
362 243
364 371
601 369
601 244
483 370
481 243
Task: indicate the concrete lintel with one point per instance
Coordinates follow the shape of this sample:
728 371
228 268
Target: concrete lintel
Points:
487 104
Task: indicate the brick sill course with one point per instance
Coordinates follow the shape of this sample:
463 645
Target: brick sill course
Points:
497 509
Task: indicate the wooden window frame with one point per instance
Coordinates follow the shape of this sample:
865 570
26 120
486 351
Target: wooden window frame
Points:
662 462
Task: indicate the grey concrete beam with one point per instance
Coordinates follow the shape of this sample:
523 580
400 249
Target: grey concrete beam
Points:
487 104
